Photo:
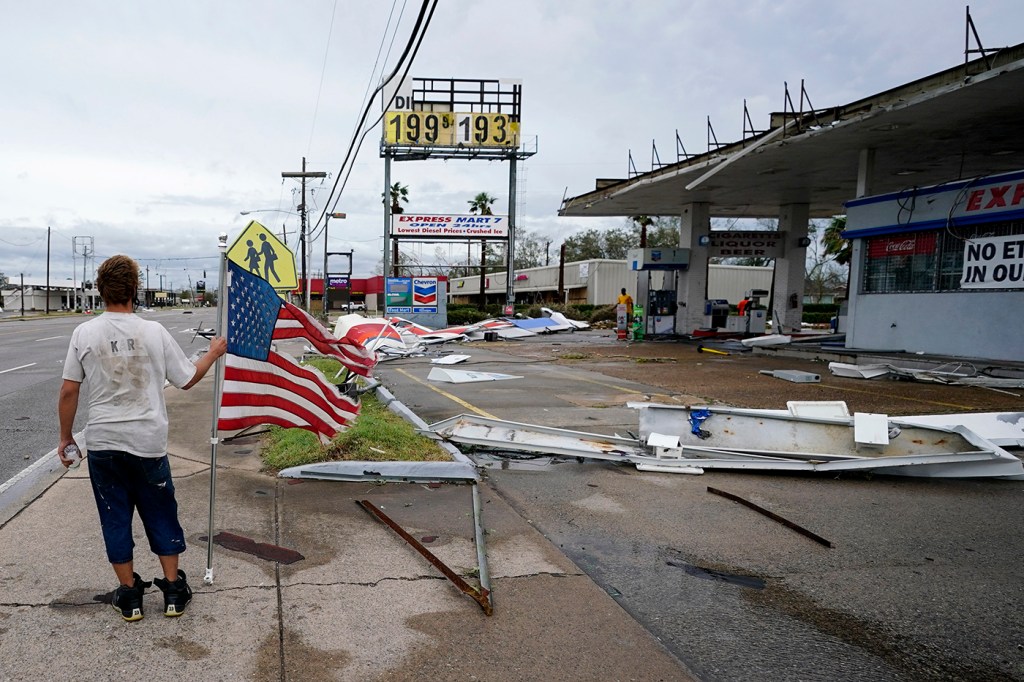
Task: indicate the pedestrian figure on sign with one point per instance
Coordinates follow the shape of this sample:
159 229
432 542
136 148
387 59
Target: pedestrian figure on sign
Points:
252 258
269 256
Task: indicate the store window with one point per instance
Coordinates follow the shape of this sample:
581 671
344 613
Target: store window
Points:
912 262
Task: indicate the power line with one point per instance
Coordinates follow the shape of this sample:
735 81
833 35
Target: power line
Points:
323 70
414 41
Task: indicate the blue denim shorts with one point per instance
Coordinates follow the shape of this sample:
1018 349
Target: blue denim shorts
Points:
122 483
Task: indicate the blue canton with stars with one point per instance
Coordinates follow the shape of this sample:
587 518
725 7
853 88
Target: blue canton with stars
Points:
253 306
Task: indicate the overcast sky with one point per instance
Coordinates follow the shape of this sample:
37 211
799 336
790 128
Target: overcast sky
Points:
149 126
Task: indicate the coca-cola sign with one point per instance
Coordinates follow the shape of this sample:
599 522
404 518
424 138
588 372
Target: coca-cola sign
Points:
901 245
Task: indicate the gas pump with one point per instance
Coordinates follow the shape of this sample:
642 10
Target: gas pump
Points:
754 317
662 307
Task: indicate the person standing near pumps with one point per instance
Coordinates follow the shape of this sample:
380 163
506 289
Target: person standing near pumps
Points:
627 300
123 361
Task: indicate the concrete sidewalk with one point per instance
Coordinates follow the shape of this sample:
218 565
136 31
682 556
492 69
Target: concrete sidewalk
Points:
360 605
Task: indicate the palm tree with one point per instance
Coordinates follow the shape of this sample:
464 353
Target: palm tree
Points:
482 202
841 250
643 222
399 194
834 243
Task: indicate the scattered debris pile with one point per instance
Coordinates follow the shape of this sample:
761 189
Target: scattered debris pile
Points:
809 436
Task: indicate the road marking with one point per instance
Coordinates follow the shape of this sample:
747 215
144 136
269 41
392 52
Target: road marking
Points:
899 397
601 383
5 371
460 401
49 338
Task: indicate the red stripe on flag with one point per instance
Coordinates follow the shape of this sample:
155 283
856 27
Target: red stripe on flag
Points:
353 355
256 391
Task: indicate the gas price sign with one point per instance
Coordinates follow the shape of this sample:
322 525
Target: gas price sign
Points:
440 129
424 128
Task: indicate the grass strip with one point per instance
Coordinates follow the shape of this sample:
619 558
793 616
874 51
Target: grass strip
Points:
376 435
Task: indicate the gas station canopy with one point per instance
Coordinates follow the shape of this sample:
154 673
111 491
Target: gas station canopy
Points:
959 123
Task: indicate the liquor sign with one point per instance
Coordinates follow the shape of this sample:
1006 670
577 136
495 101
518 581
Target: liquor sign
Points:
755 244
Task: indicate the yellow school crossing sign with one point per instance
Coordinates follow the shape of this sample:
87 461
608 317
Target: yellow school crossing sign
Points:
261 253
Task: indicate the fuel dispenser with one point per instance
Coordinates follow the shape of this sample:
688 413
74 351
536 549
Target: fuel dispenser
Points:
662 307
657 315
716 313
755 316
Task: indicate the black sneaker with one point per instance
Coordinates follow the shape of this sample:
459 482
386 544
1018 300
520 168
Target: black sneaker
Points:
128 600
177 595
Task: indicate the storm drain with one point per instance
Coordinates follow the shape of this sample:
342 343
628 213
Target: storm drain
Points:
239 543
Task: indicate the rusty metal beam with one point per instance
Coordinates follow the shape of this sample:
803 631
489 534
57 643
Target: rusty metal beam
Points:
772 515
481 596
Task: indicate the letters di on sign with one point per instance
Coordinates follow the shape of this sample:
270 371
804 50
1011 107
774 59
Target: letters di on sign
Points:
993 263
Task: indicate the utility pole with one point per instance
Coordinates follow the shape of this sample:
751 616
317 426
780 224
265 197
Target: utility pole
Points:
23 294
303 237
47 269
84 247
327 220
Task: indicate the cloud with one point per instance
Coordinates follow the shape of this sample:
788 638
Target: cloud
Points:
151 126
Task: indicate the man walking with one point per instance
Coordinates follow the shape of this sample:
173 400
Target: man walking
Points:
123 361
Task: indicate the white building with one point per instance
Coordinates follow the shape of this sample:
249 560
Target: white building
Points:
62 294
598 282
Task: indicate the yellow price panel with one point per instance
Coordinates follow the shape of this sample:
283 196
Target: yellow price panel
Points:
419 128
486 130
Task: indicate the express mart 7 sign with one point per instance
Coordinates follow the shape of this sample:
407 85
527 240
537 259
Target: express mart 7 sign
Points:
445 129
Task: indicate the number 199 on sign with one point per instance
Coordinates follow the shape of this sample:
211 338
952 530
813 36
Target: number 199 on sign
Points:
421 128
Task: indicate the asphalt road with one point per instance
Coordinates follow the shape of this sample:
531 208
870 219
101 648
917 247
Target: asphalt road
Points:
32 353
923 581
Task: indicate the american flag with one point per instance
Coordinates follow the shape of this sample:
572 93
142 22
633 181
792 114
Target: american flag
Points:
262 386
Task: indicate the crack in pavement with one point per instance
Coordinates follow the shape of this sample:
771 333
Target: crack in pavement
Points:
336 583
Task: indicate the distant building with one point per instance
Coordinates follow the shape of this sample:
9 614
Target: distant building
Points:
598 282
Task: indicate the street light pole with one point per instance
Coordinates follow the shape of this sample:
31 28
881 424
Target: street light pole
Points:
302 215
327 220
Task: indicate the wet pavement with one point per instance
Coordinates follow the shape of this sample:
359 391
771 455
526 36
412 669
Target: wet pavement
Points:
922 580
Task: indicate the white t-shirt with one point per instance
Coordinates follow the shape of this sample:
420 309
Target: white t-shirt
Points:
123 361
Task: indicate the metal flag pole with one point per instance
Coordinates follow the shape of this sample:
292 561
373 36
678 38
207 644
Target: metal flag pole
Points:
218 378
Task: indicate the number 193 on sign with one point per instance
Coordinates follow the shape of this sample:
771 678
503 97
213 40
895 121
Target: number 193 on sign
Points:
434 129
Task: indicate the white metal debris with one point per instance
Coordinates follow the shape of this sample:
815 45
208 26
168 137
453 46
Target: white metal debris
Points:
453 359
793 375
678 439
458 376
